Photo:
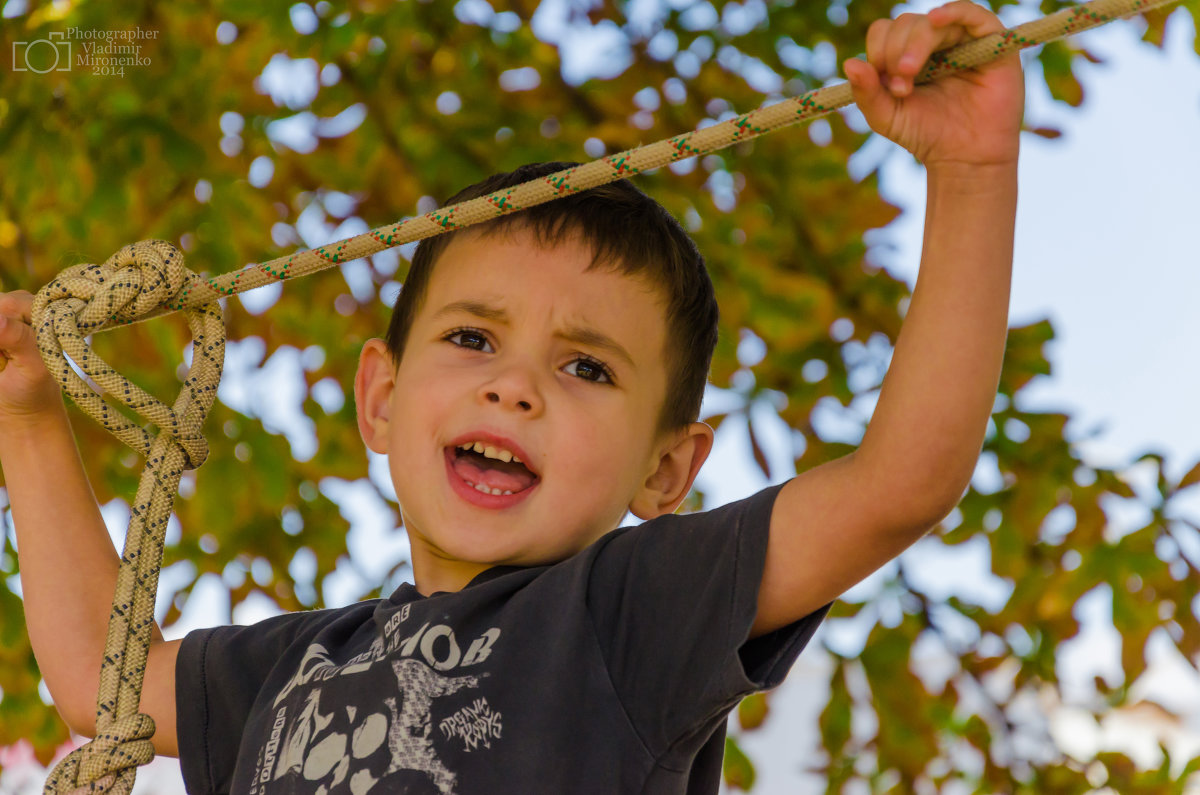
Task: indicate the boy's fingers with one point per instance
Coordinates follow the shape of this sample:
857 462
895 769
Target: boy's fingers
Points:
899 48
909 41
924 37
974 18
905 29
885 43
876 41
18 303
15 335
10 339
875 103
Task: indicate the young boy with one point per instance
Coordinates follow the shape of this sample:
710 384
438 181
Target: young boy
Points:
540 378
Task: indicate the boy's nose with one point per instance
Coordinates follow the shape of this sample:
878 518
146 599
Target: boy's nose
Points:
515 389
524 405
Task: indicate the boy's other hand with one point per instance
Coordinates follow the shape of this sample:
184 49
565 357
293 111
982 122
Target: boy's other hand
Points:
26 387
968 118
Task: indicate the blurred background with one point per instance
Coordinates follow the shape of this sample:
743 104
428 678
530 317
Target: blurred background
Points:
1044 638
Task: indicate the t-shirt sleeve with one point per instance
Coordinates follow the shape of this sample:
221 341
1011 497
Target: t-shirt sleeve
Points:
219 673
673 601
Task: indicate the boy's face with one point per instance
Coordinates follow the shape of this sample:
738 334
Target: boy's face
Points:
523 350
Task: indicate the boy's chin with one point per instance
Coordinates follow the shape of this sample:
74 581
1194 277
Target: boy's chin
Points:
485 548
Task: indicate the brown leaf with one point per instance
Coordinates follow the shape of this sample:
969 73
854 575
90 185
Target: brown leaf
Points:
1190 479
760 458
1049 133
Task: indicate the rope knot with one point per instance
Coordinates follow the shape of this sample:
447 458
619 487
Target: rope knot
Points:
109 762
130 286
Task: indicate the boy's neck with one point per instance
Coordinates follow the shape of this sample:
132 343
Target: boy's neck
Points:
436 575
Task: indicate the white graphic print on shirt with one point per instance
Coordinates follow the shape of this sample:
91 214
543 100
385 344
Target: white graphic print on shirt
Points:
368 734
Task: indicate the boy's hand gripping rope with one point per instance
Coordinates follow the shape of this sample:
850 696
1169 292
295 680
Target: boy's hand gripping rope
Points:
147 279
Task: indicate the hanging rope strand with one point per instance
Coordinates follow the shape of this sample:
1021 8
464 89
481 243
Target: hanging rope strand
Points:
78 301
147 279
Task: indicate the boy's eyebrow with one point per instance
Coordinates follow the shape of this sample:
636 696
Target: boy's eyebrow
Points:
580 335
590 337
477 308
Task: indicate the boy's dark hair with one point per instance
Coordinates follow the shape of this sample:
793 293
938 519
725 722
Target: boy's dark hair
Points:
628 232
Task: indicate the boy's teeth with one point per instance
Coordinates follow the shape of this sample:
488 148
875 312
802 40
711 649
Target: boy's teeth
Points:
486 490
488 451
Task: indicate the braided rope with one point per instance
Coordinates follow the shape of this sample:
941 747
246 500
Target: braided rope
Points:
80 300
147 279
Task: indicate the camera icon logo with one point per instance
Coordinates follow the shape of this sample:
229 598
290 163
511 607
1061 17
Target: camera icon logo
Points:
42 55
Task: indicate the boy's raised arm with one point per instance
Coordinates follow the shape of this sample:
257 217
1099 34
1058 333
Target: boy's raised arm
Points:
838 522
68 564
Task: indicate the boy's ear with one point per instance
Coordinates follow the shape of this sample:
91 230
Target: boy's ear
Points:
678 463
373 384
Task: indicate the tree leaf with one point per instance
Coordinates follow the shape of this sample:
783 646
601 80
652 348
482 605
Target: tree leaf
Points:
1191 478
737 768
752 711
760 457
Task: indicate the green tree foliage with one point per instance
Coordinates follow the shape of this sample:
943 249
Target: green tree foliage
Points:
389 102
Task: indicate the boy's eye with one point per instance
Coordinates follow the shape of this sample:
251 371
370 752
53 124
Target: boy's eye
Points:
469 338
589 370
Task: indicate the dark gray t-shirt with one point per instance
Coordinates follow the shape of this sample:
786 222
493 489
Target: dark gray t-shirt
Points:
610 672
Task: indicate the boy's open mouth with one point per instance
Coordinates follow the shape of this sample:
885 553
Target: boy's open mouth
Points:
490 470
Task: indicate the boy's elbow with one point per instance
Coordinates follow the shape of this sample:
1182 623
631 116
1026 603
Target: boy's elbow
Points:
925 502
75 701
918 489
929 515
913 498
79 715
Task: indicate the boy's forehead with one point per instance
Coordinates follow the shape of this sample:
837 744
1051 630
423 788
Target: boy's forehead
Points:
513 232
469 249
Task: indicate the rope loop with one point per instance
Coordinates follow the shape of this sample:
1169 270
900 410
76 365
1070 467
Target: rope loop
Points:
131 285
108 762
135 282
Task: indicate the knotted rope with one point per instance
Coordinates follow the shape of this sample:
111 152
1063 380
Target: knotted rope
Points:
82 300
147 280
